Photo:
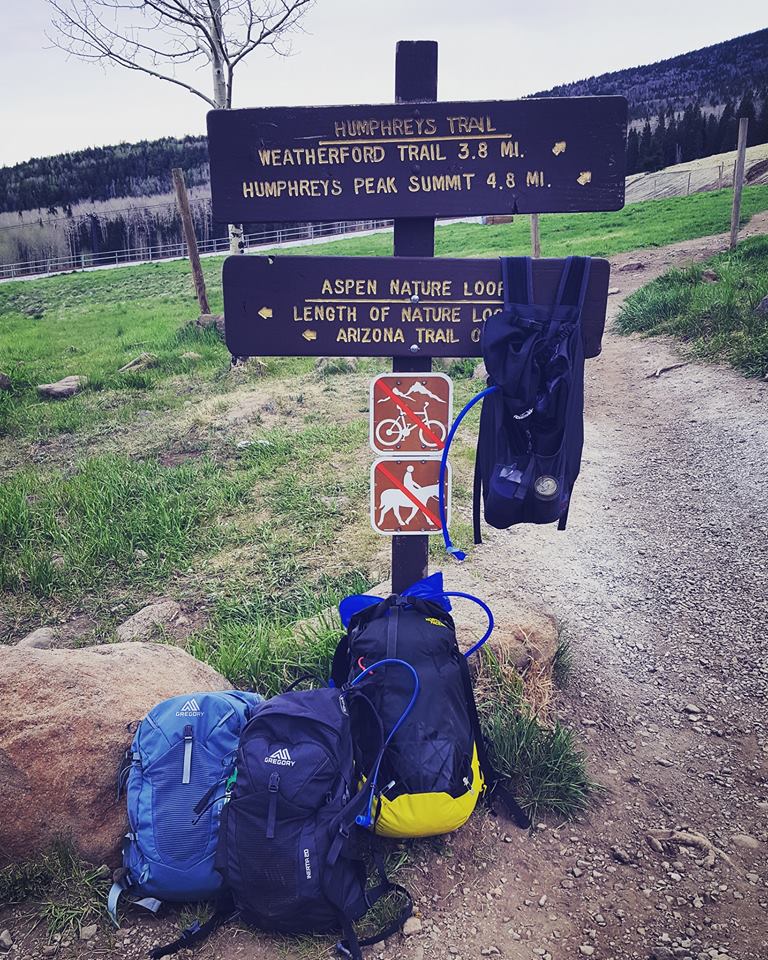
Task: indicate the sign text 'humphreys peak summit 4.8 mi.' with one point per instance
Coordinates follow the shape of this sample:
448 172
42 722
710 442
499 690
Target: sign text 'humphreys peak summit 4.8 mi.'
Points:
417 159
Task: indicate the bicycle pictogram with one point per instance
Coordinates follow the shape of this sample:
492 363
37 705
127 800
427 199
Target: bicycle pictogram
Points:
392 432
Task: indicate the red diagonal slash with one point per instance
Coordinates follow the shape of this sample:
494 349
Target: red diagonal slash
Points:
414 500
412 415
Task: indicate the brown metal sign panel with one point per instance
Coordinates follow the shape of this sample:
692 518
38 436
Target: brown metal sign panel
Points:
410 412
417 159
380 306
404 496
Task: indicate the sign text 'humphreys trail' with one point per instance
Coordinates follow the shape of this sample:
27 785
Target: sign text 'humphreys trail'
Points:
380 306
417 159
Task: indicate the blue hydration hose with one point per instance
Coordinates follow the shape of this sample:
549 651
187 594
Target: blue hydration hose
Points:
454 551
367 819
468 596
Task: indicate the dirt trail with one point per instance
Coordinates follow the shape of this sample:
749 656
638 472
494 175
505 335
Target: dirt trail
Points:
662 578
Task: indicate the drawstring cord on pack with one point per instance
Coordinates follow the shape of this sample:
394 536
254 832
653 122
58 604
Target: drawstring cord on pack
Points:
367 819
454 551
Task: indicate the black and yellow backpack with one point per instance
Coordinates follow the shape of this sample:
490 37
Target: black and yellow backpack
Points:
435 769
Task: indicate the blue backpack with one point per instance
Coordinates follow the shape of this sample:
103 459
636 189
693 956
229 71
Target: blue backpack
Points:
176 770
532 421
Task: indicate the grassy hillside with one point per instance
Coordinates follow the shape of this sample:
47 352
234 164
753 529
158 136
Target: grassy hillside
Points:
712 307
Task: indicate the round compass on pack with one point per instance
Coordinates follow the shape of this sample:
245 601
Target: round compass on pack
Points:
546 487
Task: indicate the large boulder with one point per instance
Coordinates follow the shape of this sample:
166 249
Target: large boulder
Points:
66 719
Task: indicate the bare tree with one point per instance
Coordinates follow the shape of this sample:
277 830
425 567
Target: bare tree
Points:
161 37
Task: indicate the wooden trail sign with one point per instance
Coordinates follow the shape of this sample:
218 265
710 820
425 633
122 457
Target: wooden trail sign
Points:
417 159
411 161
380 306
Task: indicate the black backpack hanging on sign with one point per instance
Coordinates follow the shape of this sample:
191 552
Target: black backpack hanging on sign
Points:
436 768
532 421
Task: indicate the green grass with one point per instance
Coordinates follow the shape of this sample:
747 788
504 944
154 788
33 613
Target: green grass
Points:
114 527
68 532
70 894
718 320
542 761
563 662
652 223
255 644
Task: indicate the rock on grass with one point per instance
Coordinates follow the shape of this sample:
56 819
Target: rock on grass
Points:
144 623
66 387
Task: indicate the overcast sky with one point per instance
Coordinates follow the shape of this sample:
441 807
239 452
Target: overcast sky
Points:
489 49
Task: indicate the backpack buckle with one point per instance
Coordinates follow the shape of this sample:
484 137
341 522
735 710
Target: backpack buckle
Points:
344 831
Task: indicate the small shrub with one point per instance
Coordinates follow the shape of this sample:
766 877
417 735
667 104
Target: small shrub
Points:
547 770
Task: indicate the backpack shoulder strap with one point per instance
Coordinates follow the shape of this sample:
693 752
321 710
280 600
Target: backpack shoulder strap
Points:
517 280
574 281
351 944
197 932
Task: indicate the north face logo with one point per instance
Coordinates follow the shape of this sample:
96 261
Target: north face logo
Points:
190 709
281 758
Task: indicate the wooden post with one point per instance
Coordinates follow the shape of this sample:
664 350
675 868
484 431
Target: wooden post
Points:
415 81
535 239
738 180
189 235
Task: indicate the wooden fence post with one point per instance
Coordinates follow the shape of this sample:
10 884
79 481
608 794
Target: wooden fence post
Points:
738 180
189 235
535 238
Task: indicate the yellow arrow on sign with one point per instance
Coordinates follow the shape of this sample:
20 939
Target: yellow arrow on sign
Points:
310 335
265 313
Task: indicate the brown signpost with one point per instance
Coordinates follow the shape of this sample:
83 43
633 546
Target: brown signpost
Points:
380 306
412 160
410 413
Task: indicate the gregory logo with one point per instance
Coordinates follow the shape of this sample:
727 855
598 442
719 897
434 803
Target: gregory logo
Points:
437 623
190 709
280 758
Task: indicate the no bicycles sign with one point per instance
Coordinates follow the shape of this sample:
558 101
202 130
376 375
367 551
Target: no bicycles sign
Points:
410 413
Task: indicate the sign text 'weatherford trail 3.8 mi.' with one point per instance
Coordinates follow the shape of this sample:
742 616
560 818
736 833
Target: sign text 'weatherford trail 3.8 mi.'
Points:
417 159
380 306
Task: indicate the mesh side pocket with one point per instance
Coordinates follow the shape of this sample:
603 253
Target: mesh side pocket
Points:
179 840
269 868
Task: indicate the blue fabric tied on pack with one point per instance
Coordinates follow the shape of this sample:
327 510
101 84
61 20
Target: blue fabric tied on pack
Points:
430 588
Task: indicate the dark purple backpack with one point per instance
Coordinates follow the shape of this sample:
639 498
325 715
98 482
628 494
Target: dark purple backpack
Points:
532 421
294 835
